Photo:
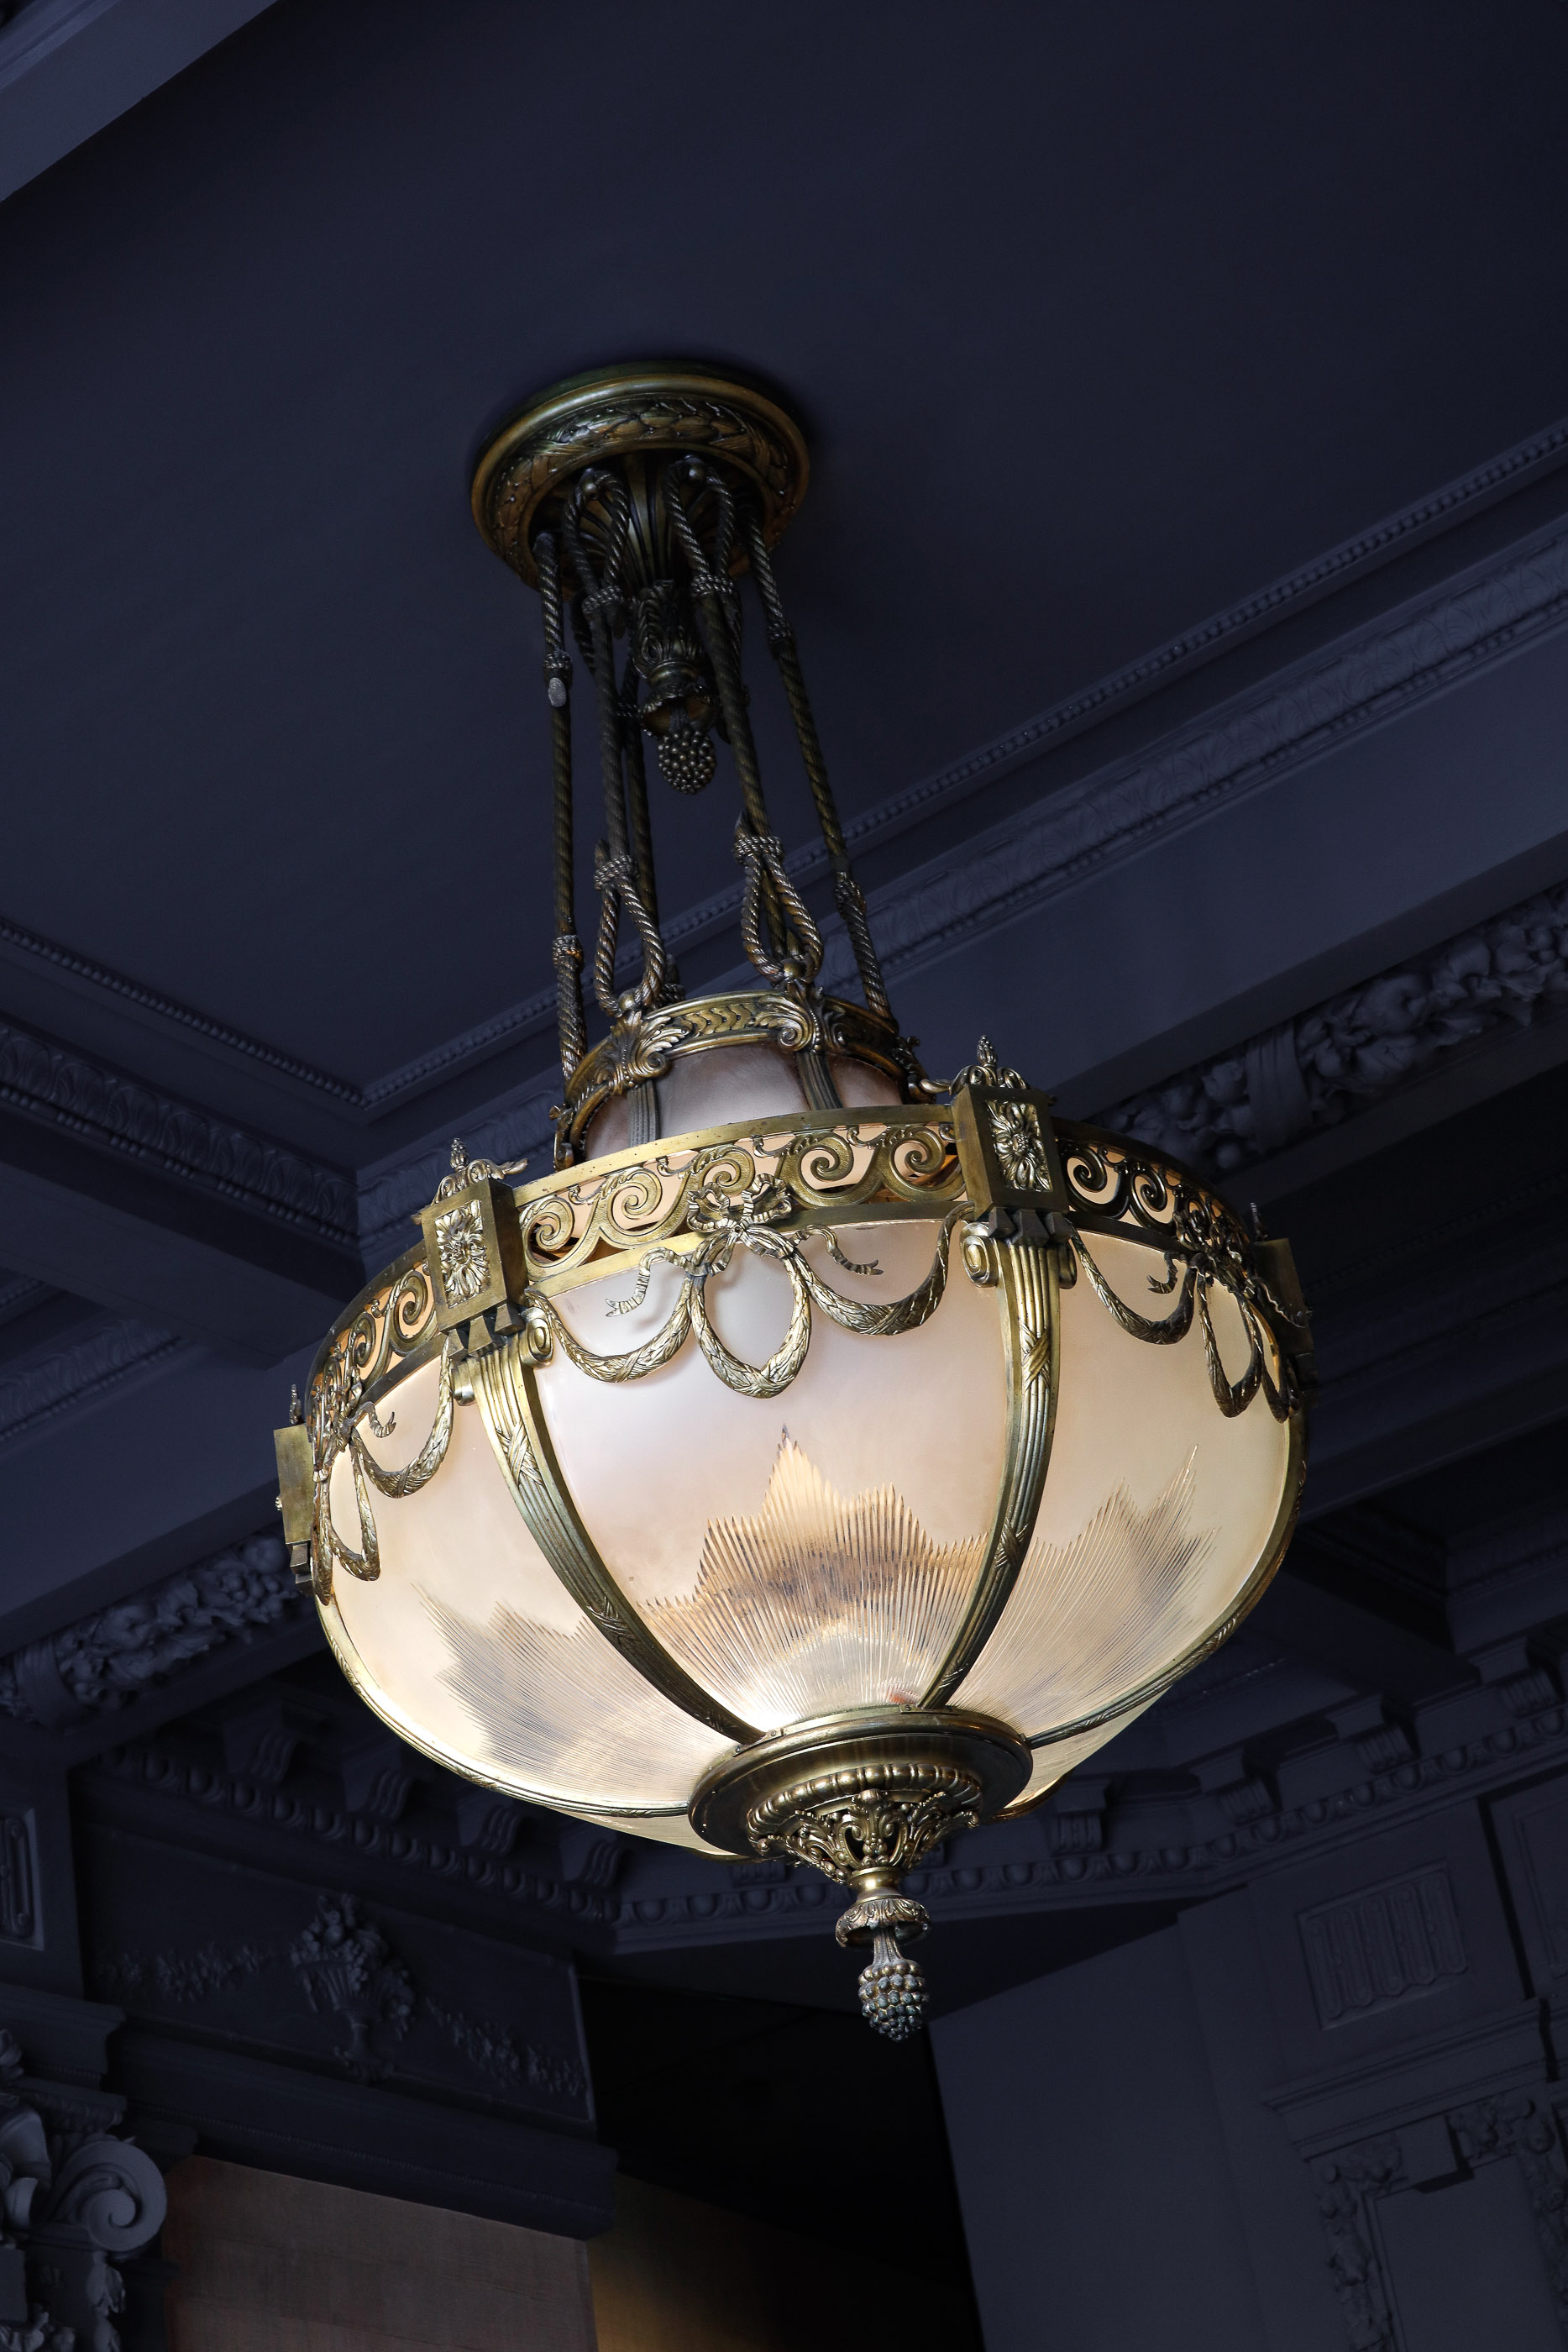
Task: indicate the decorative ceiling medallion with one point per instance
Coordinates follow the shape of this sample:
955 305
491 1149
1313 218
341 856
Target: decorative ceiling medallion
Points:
636 413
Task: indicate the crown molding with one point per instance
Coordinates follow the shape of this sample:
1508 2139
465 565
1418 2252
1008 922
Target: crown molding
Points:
53 1087
1423 646
68 67
1368 678
1121 811
77 1376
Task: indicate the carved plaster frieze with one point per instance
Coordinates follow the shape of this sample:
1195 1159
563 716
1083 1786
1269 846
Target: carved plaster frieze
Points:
346 1974
1515 2125
1362 1046
117 1656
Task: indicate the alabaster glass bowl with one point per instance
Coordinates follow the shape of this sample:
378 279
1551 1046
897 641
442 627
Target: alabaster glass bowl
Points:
783 1428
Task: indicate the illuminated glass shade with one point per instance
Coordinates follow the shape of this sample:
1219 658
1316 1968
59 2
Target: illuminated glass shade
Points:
685 1505
811 1464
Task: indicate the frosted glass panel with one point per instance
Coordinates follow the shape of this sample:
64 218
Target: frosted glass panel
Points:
470 1645
813 1550
1054 1762
1155 1510
841 1597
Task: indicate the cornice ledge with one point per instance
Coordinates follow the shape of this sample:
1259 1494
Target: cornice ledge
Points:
1120 810
1118 1871
753 1900
79 1375
1487 986
108 1660
1358 1048
59 1088
1504 1551
923 915
175 1780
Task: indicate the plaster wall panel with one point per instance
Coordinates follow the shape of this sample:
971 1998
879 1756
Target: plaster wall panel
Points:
269 2264
1274 2188
1464 2268
1091 2162
1397 1941
1532 1829
198 1946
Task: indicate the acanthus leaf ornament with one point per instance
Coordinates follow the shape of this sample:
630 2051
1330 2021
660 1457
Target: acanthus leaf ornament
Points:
1012 1499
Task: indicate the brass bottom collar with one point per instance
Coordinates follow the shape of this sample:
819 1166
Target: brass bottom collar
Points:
862 1796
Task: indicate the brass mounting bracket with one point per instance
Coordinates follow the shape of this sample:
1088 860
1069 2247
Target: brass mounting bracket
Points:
660 407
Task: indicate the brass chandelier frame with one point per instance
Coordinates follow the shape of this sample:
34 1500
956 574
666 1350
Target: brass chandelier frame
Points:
633 500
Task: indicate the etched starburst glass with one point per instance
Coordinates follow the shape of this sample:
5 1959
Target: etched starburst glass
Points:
814 1553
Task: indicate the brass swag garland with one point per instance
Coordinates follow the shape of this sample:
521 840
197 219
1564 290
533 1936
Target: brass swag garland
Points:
905 1678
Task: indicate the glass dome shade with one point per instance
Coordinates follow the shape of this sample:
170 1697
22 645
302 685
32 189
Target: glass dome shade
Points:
858 1455
820 1460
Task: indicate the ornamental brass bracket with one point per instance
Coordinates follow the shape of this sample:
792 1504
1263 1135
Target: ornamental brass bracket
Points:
1007 1149
474 1252
296 1494
1292 1327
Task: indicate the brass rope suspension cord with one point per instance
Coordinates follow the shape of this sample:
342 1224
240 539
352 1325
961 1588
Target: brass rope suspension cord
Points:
642 830
566 947
616 871
848 895
714 592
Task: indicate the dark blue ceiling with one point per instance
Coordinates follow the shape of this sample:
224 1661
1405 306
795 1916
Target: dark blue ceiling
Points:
1101 320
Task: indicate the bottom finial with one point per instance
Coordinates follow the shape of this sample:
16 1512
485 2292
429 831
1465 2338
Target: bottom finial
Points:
893 1987
893 1991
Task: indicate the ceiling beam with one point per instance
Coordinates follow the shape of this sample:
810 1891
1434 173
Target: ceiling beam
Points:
117 1192
70 67
1357 1643
1472 1350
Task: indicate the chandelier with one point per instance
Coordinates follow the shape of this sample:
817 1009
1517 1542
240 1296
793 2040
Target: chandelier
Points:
821 1459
